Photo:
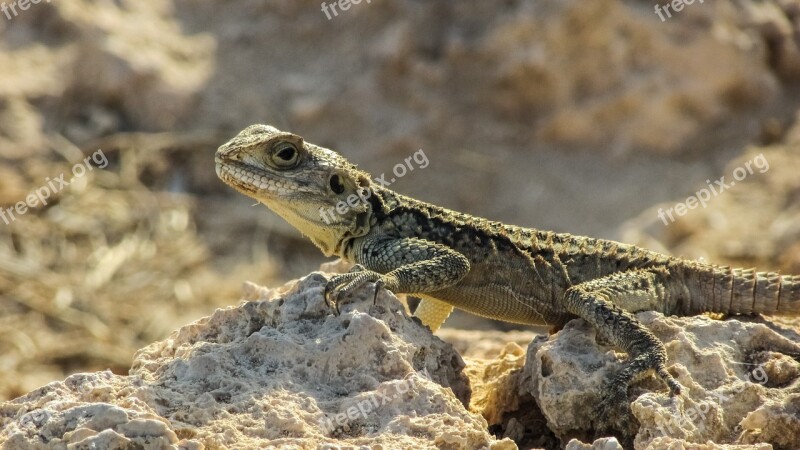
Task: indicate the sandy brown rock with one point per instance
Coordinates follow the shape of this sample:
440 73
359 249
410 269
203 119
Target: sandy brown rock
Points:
493 383
281 370
88 410
742 383
277 370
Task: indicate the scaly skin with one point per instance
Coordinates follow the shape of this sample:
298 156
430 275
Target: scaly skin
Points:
504 272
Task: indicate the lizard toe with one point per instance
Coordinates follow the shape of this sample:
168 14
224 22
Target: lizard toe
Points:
356 268
675 387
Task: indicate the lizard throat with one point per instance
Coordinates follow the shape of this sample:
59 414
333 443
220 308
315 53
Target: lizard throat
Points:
280 197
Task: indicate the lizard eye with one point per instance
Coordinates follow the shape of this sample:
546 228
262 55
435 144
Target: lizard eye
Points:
336 184
284 154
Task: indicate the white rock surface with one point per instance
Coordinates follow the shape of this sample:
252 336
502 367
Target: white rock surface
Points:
278 371
742 385
600 444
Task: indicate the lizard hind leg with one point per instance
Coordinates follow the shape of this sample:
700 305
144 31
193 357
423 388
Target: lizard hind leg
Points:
597 301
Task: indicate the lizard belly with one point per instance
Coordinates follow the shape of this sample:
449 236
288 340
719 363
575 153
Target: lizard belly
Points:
500 302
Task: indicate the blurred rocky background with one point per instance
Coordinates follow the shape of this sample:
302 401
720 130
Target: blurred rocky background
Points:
582 117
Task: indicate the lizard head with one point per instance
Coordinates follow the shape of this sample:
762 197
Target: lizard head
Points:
315 189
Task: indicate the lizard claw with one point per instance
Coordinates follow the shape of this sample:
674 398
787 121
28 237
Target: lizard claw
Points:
675 388
328 294
379 284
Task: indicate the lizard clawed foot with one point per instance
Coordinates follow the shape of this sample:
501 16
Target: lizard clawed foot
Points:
342 285
614 415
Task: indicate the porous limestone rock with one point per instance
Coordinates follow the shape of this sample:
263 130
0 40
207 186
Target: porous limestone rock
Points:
740 376
278 371
600 444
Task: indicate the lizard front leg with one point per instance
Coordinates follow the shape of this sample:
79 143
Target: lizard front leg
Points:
404 265
594 301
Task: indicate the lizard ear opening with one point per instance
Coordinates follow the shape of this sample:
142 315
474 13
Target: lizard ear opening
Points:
336 184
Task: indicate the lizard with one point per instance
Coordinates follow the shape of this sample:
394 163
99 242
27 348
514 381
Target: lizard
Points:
453 260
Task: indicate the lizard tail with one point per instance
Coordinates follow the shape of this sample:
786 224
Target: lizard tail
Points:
745 291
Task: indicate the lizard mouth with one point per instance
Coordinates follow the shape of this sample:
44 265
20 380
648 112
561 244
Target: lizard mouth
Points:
260 184
248 179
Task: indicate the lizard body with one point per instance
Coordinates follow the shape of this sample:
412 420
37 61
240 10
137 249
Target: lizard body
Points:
451 259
